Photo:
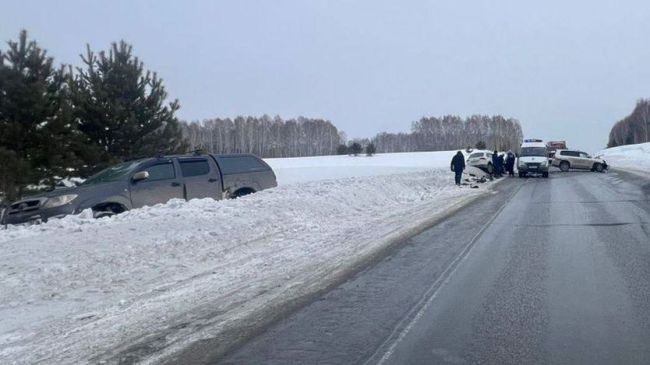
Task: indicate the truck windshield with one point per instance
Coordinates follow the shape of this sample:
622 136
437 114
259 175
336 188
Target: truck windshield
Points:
533 151
113 173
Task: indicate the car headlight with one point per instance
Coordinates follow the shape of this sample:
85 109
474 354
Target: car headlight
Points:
60 200
520 163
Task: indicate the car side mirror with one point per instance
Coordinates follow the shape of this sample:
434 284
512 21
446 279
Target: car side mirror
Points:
139 176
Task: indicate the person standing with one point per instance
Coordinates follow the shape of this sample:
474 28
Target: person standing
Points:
502 165
510 164
496 169
457 166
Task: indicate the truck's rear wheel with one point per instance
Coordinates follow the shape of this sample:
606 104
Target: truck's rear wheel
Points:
242 192
564 166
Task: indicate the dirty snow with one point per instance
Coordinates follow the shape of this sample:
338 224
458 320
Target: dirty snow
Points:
79 290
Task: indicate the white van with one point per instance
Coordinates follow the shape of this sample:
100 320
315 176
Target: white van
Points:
533 158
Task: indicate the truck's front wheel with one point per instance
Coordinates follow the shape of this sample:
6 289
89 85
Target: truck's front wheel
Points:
107 210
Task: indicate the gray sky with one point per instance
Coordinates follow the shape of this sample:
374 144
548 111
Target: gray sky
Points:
565 69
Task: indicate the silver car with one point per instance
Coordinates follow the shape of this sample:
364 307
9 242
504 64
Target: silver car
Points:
572 159
149 181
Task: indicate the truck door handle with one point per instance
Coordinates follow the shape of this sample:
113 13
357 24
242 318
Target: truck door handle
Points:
176 183
212 179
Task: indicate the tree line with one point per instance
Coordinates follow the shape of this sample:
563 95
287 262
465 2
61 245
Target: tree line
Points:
275 137
264 136
452 132
59 121
634 128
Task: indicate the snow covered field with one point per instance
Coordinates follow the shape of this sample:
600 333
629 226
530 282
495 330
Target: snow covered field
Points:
634 157
293 170
79 290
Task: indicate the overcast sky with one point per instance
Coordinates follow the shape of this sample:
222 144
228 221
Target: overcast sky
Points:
565 69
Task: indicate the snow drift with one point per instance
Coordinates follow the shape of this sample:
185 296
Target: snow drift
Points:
634 157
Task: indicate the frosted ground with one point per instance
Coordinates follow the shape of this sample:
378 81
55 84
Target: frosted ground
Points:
79 290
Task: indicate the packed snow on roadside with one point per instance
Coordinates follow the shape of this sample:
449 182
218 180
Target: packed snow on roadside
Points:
79 290
635 157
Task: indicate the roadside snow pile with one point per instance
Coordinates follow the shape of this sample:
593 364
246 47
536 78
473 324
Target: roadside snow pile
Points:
80 290
630 157
302 169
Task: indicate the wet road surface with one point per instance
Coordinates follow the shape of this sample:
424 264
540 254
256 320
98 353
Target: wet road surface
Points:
545 271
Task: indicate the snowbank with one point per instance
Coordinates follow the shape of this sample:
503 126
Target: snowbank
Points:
80 290
634 157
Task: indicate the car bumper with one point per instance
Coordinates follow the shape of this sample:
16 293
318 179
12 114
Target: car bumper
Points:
528 169
37 215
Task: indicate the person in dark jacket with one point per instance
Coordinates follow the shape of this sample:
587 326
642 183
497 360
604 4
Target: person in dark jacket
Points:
457 166
496 169
510 163
502 166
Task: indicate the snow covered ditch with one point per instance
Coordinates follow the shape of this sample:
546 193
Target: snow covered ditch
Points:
634 157
79 290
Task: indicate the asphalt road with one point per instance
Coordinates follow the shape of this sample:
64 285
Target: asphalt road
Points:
545 271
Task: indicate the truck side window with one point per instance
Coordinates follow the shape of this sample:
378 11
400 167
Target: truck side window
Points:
162 171
194 167
240 164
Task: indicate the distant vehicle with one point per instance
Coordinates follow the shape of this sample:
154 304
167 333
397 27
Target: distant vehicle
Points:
533 158
553 146
572 159
482 160
149 181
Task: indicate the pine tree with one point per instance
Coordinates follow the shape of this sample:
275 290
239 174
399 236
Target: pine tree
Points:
36 128
342 150
355 148
121 108
370 149
480 145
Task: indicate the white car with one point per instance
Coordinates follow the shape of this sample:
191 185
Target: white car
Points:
571 159
482 160
533 159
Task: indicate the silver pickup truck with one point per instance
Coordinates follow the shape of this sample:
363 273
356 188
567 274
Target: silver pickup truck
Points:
149 181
